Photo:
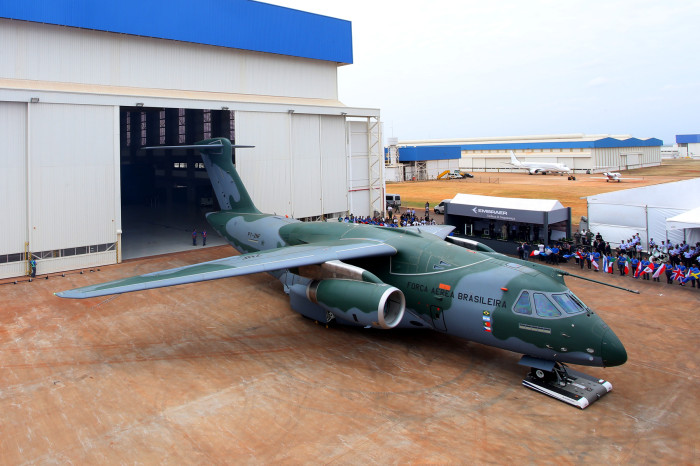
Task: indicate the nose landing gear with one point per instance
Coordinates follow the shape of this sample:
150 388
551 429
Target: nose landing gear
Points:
558 381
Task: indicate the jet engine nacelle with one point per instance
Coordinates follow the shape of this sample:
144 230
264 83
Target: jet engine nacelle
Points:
376 304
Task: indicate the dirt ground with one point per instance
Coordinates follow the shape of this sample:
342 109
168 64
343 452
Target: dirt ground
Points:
224 372
569 193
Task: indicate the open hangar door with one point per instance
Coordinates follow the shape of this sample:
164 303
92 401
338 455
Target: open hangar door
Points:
165 194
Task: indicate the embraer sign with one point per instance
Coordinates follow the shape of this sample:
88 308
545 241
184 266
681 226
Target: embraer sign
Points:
479 210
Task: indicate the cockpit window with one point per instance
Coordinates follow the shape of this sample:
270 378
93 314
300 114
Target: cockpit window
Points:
522 306
544 307
569 303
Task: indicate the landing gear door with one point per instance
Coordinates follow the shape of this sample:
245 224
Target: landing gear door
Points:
438 316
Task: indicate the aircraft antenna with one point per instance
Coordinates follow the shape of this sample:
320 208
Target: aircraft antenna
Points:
563 272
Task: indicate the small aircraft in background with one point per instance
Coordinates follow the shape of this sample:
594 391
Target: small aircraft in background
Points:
414 277
614 176
539 167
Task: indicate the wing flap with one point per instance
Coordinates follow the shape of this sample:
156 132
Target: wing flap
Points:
263 261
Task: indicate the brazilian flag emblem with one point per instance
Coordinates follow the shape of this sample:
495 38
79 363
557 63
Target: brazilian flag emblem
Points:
487 313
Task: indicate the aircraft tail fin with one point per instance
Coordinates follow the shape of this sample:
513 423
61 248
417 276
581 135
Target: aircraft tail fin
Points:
513 159
228 187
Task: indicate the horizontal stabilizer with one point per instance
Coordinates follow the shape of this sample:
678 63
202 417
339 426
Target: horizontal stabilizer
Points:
440 231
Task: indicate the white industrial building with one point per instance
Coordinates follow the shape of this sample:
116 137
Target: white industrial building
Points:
424 159
688 145
84 85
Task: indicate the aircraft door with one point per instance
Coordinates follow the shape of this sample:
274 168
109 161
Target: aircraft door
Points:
438 316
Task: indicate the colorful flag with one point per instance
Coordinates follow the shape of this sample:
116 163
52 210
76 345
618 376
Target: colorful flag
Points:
605 263
677 274
610 265
535 252
627 268
638 271
659 270
690 275
594 262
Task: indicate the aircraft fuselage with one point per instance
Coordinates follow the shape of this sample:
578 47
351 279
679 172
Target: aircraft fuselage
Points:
483 297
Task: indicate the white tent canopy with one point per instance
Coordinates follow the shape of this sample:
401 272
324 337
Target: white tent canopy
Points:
689 219
620 214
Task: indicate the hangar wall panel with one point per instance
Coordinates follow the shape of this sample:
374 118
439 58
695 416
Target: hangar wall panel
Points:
45 52
73 176
13 190
266 169
13 269
82 261
334 167
298 165
306 165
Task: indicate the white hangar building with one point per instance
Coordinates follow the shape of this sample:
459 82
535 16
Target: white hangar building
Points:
85 85
580 152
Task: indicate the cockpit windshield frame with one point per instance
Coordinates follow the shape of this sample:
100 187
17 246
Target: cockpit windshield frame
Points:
563 304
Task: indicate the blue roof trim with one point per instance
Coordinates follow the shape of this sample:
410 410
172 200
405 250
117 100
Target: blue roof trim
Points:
419 153
687 138
240 24
600 143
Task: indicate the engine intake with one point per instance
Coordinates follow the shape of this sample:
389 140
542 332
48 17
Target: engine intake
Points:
376 304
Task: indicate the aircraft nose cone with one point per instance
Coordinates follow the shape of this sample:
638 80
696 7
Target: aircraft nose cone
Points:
612 350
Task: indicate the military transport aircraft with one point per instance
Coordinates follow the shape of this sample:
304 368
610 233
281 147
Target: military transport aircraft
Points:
534 168
415 277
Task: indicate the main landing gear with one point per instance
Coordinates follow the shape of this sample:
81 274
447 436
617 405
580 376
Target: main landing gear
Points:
558 381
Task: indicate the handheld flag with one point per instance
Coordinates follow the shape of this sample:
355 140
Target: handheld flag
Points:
691 275
638 270
659 270
677 274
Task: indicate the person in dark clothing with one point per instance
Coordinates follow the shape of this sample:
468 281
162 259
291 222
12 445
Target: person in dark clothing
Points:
194 237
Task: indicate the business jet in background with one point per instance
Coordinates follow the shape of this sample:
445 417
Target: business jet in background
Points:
539 167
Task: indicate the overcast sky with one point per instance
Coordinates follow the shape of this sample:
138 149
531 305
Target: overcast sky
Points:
454 69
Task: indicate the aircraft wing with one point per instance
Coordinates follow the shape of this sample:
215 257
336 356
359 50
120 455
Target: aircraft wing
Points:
263 261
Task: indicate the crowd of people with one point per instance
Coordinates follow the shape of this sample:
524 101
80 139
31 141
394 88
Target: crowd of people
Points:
406 219
676 263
